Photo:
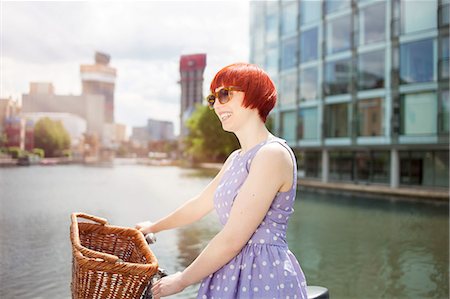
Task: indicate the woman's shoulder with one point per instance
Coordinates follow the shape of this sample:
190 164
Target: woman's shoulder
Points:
275 151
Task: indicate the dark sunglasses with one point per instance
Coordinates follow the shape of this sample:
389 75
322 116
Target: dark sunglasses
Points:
223 95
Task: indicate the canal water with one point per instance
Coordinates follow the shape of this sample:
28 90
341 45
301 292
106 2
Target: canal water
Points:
357 247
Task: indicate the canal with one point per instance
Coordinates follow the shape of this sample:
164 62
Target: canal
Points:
357 247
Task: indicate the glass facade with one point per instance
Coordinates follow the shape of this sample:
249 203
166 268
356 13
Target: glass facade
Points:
339 34
373 23
359 79
308 124
288 120
309 84
338 77
288 89
371 70
418 15
289 53
417 62
370 117
418 114
309 42
310 11
337 120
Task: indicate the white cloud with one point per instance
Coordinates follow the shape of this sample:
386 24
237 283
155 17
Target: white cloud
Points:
47 41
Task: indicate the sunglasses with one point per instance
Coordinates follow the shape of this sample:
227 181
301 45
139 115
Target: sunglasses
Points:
223 95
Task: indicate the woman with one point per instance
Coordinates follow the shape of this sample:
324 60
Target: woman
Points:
253 194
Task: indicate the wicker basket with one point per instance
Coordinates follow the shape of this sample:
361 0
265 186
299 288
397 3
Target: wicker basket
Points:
109 262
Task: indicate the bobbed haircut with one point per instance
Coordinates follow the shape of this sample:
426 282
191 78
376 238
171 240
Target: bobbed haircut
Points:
259 89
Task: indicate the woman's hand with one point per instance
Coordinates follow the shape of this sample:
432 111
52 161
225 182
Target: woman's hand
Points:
168 285
145 227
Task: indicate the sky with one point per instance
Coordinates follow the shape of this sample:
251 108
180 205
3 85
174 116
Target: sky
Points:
47 42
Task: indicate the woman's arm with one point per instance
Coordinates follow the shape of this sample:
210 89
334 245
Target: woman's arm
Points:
270 170
191 211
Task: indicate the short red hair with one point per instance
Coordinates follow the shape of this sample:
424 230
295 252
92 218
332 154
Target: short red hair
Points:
260 91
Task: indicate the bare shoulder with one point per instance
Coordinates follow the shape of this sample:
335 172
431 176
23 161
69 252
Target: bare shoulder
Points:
274 155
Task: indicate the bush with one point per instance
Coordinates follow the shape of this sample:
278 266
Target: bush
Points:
14 151
39 152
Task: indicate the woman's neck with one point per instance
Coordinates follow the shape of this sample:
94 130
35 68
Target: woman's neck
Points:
252 135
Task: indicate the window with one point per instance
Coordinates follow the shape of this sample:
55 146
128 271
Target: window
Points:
308 127
373 23
445 111
444 10
312 164
289 18
444 60
289 53
335 5
425 168
370 117
371 70
380 166
272 25
310 11
309 84
309 45
288 89
272 58
419 113
338 77
337 118
418 15
339 35
288 126
341 166
417 62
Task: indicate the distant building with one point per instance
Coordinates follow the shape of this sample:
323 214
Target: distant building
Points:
90 107
74 124
8 108
113 135
19 132
99 79
140 136
363 87
160 130
191 81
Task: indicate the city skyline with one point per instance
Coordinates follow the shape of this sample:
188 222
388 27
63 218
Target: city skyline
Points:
47 42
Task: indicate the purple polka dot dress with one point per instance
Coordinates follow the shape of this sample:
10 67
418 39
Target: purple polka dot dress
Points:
265 268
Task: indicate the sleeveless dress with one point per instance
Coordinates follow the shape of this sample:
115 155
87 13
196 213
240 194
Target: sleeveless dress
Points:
264 268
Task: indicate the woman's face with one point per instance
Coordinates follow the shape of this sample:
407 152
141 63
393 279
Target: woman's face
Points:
232 114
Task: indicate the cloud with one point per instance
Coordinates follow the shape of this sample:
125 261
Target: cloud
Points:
47 41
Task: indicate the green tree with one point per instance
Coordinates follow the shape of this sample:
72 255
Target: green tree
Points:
51 136
207 141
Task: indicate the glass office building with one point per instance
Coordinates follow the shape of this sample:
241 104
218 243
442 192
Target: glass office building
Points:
363 87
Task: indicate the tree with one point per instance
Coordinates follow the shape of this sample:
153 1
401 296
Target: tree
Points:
51 136
207 141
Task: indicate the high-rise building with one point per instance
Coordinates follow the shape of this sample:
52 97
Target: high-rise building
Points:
99 79
191 81
363 87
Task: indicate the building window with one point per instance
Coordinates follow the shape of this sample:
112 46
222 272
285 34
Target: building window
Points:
424 168
289 17
417 62
444 59
289 53
337 118
371 70
419 113
335 5
372 166
272 58
444 10
308 128
309 84
370 117
338 77
445 111
288 126
312 164
339 35
272 25
309 45
341 166
418 15
310 11
373 23
288 93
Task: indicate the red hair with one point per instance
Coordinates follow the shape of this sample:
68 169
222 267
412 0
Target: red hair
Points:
260 92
